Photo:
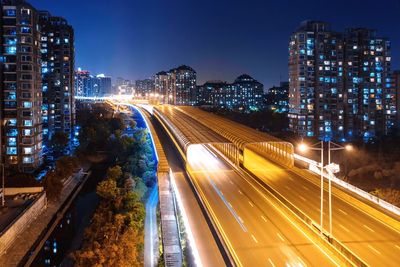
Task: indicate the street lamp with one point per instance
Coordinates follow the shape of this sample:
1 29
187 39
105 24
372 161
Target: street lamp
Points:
330 169
333 147
303 148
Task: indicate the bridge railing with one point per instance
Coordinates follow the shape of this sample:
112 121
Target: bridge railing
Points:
229 150
279 152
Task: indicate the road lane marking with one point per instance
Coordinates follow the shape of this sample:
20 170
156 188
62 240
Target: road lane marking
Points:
302 262
290 178
251 204
368 228
398 247
344 228
271 262
240 192
280 237
233 212
374 249
288 188
231 181
262 217
305 188
342 211
254 238
290 220
303 198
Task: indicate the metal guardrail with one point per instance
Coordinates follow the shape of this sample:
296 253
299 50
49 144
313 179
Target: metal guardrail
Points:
313 166
279 152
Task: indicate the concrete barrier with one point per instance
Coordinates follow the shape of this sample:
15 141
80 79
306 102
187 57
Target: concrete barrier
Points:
16 227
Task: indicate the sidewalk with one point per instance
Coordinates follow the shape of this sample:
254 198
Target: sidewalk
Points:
24 242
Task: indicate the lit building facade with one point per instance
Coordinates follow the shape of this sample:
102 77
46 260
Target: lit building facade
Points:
102 85
184 88
161 85
58 63
339 84
177 86
82 83
144 87
277 98
245 94
21 84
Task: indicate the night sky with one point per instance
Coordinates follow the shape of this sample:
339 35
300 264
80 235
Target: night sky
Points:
220 39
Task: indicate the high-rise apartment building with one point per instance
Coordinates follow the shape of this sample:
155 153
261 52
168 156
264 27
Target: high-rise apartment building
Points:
21 84
104 85
144 87
58 62
277 98
184 88
177 86
211 93
82 83
339 83
245 93
161 85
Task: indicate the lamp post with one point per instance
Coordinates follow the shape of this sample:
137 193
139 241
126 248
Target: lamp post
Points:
331 147
303 148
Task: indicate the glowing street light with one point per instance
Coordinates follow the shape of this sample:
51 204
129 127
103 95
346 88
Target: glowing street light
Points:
303 147
329 167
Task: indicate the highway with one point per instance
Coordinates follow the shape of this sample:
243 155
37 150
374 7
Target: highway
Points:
371 239
259 233
368 237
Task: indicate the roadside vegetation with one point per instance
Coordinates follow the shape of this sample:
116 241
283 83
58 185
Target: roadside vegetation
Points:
115 236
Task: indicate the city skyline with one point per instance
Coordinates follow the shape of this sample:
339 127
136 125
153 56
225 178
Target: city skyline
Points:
146 42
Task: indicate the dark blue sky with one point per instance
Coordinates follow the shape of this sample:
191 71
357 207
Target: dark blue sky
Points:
220 39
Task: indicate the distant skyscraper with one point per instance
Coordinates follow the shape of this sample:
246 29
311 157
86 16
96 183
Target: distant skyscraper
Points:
104 85
277 98
339 83
210 93
178 86
21 84
124 87
245 93
161 85
58 60
82 83
185 86
144 87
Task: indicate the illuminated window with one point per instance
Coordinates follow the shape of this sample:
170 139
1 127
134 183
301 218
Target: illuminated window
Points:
11 150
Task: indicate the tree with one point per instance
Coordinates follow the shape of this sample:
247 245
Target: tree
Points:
107 189
388 194
114 173
60 141
52 185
